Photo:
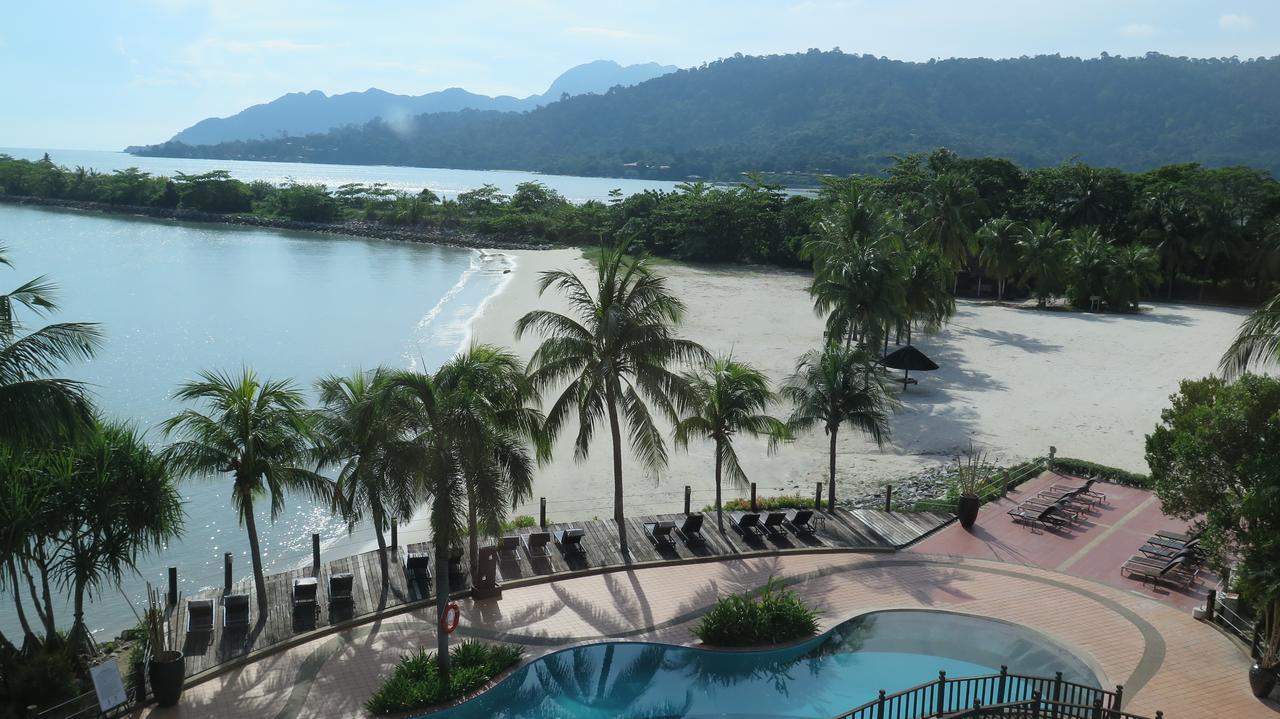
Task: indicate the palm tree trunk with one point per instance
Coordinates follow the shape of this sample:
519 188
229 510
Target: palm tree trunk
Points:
79 636
719 511
6 646
831 484
1000 297
442 604
17 604
45 607
618 515
255 555
382 553
473 538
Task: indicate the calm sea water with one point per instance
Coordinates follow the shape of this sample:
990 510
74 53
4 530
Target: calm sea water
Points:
174 299
446 183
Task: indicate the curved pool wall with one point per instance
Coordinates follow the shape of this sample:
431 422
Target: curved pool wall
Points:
821 677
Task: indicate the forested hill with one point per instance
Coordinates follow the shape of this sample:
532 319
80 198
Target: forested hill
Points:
833 112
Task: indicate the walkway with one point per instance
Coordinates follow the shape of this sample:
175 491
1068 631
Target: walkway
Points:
866 530
1165 659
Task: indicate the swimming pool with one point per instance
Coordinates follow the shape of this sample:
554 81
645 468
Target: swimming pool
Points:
822 677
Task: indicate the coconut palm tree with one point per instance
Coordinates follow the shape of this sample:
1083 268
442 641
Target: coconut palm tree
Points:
1134 271
1168 222
998 249
1041 252
1088 259
927 303
33 404
354 431
839 387
1257 342
729 398
949 208
493 394
615 350
257 432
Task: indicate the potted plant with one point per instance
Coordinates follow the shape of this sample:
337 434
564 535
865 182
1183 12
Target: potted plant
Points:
1262 675
972 471
165 666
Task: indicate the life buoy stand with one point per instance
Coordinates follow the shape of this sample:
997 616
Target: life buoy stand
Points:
449 620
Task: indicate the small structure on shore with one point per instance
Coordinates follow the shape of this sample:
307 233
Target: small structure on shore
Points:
906 359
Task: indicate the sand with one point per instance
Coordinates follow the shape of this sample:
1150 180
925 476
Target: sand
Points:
1013 381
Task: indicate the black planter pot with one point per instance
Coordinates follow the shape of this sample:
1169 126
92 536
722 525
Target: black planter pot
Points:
166 671
1262 680
967 510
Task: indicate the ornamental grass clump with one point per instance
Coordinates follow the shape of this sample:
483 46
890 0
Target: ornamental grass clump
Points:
776 616
415 683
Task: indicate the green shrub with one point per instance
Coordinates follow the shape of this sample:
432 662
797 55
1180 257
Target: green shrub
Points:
766 504
415 683
775 617
44 679
1114 475
1000 482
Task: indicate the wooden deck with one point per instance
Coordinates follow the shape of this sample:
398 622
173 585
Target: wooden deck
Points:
860 529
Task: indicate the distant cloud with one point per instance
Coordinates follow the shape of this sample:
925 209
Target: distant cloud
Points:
612 33
1137 29
1236 22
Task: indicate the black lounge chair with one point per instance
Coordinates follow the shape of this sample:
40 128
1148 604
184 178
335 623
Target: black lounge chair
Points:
1077 496
660 533
773 522
801 521
535 543
417 567
304 592
1172 544
691 529
1062 508
340 588
1041 516
1087 489
1175 537
1191 550
747 524
199 616
570 539
509 549
235 611
1176 571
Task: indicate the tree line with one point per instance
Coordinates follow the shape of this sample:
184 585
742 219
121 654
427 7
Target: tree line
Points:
831 112
1074 231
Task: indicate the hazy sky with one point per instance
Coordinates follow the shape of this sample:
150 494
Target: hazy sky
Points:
102 75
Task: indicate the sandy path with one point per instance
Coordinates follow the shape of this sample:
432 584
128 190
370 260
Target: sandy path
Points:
1014 381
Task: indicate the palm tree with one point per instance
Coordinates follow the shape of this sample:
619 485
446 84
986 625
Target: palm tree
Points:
116 501
1088 262
729 398
998 249
1257 342
257 432
354 431
1042 256
494 392
950 205
927 302
34 405
1167 219
615 351
1134 271
839 386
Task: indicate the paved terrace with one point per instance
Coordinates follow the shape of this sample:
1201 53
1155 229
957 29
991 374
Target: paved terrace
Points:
861 530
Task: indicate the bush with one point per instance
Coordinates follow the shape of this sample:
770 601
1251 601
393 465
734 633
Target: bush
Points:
44 679
777 616
1114 475
766 504
415 683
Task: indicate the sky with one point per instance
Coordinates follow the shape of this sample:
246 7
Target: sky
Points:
103 75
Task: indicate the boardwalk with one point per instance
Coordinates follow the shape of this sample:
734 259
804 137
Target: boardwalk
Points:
868 530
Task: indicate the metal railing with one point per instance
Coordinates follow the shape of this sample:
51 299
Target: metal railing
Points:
944 697
1037 708
998 485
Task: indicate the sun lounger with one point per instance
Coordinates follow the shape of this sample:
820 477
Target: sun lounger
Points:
199 616
340 588
773 522
1172 544
1077 496
1177 536
801 521
747 524
570 539
304 592
509 549
1175 571
691 529
1062 508
235 611
1087 486
535 543
1049 516
660 533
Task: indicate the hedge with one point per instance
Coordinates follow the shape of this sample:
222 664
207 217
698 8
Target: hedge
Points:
1114 475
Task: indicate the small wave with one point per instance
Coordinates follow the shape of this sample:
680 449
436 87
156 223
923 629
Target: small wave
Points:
456 334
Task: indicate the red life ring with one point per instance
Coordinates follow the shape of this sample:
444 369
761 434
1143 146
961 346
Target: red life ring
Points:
449 620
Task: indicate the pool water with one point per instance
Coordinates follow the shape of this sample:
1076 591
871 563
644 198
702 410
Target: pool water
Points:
822 678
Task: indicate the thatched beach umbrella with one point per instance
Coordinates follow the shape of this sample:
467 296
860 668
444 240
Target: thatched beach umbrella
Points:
908 358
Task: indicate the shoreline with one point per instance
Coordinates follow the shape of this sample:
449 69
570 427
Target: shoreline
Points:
446 236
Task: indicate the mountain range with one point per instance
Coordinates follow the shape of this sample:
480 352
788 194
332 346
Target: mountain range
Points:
305 113
831 112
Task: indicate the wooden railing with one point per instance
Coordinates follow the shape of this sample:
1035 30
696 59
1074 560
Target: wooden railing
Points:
1002 694
995 487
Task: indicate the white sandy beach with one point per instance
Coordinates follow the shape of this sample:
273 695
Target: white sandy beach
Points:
1014 381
